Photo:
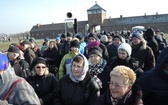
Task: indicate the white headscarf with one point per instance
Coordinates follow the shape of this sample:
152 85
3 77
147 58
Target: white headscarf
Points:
81 77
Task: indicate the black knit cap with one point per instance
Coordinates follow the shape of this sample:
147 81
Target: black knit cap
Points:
63 36
95 50
69 34
75 43
92 35
13 49
37 61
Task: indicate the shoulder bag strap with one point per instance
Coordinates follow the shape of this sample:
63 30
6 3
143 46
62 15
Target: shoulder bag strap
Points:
12 87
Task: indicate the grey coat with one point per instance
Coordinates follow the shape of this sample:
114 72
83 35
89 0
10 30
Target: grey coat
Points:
22 94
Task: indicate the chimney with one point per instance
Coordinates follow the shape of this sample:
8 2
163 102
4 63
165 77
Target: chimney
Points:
121 17
156 13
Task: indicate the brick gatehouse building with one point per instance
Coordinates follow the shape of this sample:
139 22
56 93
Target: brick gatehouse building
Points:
97 16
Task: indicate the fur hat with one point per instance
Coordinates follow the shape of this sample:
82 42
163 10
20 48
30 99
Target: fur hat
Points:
137 35
126 47
38 60
14 49
95 50
75 43
4 62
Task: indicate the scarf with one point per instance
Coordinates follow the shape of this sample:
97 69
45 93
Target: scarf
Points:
98 68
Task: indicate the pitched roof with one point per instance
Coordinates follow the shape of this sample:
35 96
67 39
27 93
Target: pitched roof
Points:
96 7
137 20
55 26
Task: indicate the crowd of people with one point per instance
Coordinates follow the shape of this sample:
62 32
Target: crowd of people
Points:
98 69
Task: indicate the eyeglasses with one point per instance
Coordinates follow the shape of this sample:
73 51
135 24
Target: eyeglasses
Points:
43 67
116 85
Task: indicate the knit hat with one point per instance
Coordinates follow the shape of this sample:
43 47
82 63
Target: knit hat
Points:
117 36
37 61
80 37
69 34
104 38
57 38
14 49
137 35
95 50
25 42
92 44
92 35
63 36
126 47
75 43
4 62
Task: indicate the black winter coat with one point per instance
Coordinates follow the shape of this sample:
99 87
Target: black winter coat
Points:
154 84
29 55
145 55
43 86
134 99
70 93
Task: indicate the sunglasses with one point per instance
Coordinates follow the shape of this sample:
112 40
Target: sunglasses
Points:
43 67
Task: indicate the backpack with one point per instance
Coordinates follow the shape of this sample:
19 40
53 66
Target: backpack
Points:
24 69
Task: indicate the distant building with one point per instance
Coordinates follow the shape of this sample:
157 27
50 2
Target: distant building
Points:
97 16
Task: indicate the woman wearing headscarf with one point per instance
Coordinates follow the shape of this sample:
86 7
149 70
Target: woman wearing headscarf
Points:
42 81
122 89
77 87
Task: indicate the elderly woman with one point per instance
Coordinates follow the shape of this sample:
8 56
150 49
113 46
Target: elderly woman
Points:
98 68
122 90
42 81
77 87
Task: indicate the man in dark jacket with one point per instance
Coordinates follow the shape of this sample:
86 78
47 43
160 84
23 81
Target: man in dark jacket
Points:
65 46
142 51
152 43
21 67
29 55
154 83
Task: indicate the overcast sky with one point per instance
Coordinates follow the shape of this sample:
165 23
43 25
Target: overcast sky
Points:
21 15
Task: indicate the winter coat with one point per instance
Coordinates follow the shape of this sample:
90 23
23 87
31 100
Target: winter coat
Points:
65 48
130 62
21 68
29 55
145 55
153 44
154 84
135 98
112 51
70 93
64 67
43 86
103 73
52 56
22 94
